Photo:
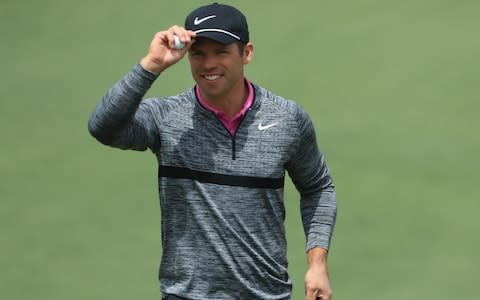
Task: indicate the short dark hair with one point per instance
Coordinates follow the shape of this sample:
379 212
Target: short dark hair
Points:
241 46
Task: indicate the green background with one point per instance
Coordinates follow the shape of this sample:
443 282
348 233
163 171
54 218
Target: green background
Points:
392 87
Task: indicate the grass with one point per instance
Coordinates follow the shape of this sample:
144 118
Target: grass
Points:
391 86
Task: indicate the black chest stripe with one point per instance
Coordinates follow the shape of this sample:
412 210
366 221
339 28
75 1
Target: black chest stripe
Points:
230 180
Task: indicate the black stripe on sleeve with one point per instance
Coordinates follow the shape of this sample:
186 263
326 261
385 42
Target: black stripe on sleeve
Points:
230 180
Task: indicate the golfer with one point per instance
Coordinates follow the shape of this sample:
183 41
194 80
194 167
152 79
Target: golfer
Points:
223 148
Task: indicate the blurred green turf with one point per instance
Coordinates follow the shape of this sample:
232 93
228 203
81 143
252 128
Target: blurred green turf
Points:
392 87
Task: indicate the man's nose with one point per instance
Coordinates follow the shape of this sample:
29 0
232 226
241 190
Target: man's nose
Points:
210 61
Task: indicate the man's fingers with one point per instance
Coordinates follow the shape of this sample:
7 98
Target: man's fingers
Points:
323 296
311 294
184 36
315 294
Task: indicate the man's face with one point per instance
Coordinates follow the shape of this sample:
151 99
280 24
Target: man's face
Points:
218 68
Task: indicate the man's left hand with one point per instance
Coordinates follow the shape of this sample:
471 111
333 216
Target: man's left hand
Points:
317 283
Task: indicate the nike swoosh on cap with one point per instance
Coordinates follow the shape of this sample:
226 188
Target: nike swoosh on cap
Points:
198 21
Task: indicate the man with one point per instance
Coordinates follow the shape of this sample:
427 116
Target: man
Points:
222 149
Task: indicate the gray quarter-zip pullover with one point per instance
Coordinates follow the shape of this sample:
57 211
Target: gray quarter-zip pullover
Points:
221 196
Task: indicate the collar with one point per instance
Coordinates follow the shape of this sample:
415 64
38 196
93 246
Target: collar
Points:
220 113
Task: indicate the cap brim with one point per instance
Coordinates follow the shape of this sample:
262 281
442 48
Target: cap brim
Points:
217 36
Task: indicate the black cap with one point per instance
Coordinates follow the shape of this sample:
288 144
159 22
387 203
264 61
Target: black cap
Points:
219 22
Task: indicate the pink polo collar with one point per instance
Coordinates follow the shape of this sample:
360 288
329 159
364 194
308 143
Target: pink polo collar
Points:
230 125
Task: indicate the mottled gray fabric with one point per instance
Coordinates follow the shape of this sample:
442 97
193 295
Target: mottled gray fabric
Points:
221 196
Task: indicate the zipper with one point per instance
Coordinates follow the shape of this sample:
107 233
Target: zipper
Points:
234 148
234 154
234 151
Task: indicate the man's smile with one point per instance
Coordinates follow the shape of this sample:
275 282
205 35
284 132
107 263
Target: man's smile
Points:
211 77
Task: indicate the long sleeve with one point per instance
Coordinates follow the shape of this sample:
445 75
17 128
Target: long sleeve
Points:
121 119
310 174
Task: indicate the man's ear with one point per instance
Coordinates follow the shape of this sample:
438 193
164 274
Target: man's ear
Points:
248 53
